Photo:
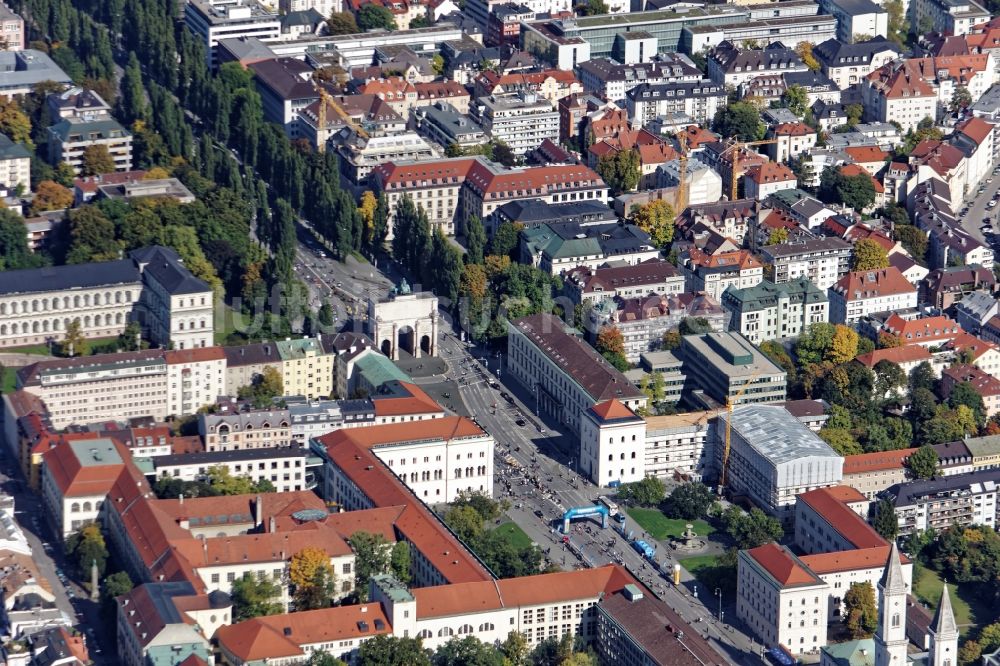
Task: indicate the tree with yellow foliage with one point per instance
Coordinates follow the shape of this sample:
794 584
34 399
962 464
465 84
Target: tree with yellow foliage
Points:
367 208
312 578
844 346
657 219
50 195
805 51
15 123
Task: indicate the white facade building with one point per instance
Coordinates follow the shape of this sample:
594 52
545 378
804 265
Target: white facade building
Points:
612 444
214 20
523 121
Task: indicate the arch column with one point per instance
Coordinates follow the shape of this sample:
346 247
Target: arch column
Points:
395 342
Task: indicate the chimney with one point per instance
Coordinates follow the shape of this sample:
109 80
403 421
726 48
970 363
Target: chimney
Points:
259 511
270 527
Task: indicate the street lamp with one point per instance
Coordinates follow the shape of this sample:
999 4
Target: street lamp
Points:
718 593
695 591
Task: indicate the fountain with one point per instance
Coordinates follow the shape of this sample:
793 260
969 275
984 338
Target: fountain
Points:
688 541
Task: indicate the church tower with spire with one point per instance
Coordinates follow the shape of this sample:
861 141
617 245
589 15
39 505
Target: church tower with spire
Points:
944 634
890 637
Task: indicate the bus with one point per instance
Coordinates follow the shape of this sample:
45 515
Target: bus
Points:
607 503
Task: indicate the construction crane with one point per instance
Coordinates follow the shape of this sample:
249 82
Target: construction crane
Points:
736 147
326 98
680 201
730 403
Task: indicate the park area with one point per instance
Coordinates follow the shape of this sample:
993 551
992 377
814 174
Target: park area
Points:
512 534
927 586
660 527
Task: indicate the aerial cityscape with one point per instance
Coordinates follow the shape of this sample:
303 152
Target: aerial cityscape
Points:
499 332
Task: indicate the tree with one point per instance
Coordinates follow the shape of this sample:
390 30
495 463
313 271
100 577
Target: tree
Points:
505 240
694 326
553 651
970 653
777 237
841 441
923 462
960 99
884 519
368 209
814 342
130 339
922 377
647 492
371 557
611 345
437 63
753 529
115 585
372 17
861 610
264 389
515 649
73 343
254 597
132 104
96 160
689 501
657 219
593 8
50 195
385 650
502 153
740 120
965 394
467 651
312 578
914 241
620 171
342 23
889 377
869 256
15 123
14 252
805 51
796 98
86 546
399 561
475 240
844 346
324 658
224 483
92 236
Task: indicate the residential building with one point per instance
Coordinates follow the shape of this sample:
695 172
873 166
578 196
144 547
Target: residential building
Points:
857 17
763 180
974 311
730 65
306 369
713 274
21 71
104 387
656 276
822 260
894 93
613 80
12 27
950 17
213 20
76 477
697 100
197 377
872 473
286 88
860 293
244 364
15 164
556 248
69 139
568 375
726 364
521 121
531 213
792 140
437 461
770 311
370 112
928 332
732 219
286 468
773 458
361 155
550 84
944 287
961 499
240 431
443 124
985 384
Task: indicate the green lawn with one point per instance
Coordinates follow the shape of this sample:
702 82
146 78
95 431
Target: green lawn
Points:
661 527
513 534
9 381
228 327
94 345
706 569
927 586
41 350
698 563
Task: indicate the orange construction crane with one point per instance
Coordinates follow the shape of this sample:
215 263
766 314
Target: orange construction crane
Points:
326 98
730 403
680 201
736 147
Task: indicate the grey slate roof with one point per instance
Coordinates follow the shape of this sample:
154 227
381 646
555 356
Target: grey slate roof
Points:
12 151
78 276
168 270
103 128
835 53
777 435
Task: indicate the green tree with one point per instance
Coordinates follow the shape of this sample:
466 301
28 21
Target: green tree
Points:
388 650
777 237
889 378
505 240
657 219
610 344
694 326
324 658
342 23
740 120
689 501
130 339
621 171
553 651
467 651
224 483
861 610
92 236
869 256
254 597
813 344
399 561
914 241
264 388
372 556
475 240
965 394
96 160
593 8
923 462
372 17
14 252
115 585
796 98
437 63
753 529
132 104
515 649
884 519
841 441
960 99
650 491
922 377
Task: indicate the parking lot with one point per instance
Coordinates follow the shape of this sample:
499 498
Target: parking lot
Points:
980 214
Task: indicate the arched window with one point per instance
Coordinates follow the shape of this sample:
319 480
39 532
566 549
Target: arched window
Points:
203 323
75 506
445 631
425 633
97 299
181 325
118 318
76 301
486 626
107 298
3 329
57 324
55 303
34 326
465 629
86 321
45 326
86 300
3 308
65 302
87 506
118 297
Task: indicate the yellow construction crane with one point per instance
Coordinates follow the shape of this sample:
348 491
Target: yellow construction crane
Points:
737 147
730 403
680 201
326 98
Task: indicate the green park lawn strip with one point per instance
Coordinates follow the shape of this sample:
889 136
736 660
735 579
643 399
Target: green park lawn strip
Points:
9 384
927 586
699 564
513 534
661 527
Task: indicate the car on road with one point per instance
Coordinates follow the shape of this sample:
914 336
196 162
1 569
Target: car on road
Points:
992 203
538 512
521 422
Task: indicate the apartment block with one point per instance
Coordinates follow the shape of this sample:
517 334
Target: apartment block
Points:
726 364
213 20
772 311
240 431
861 293
822 260
522 121
286 468
306 369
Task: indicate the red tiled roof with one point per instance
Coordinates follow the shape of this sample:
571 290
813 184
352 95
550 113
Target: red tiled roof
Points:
197 355
873 284
867 154
793 129
831 505
975 128
782 565
850 560
453 170
898 355
612 409
74 479
418 402
447 428
922 329
771 172
858 170
862 463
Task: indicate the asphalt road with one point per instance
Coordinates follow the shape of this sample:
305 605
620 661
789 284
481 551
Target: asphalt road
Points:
978 211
